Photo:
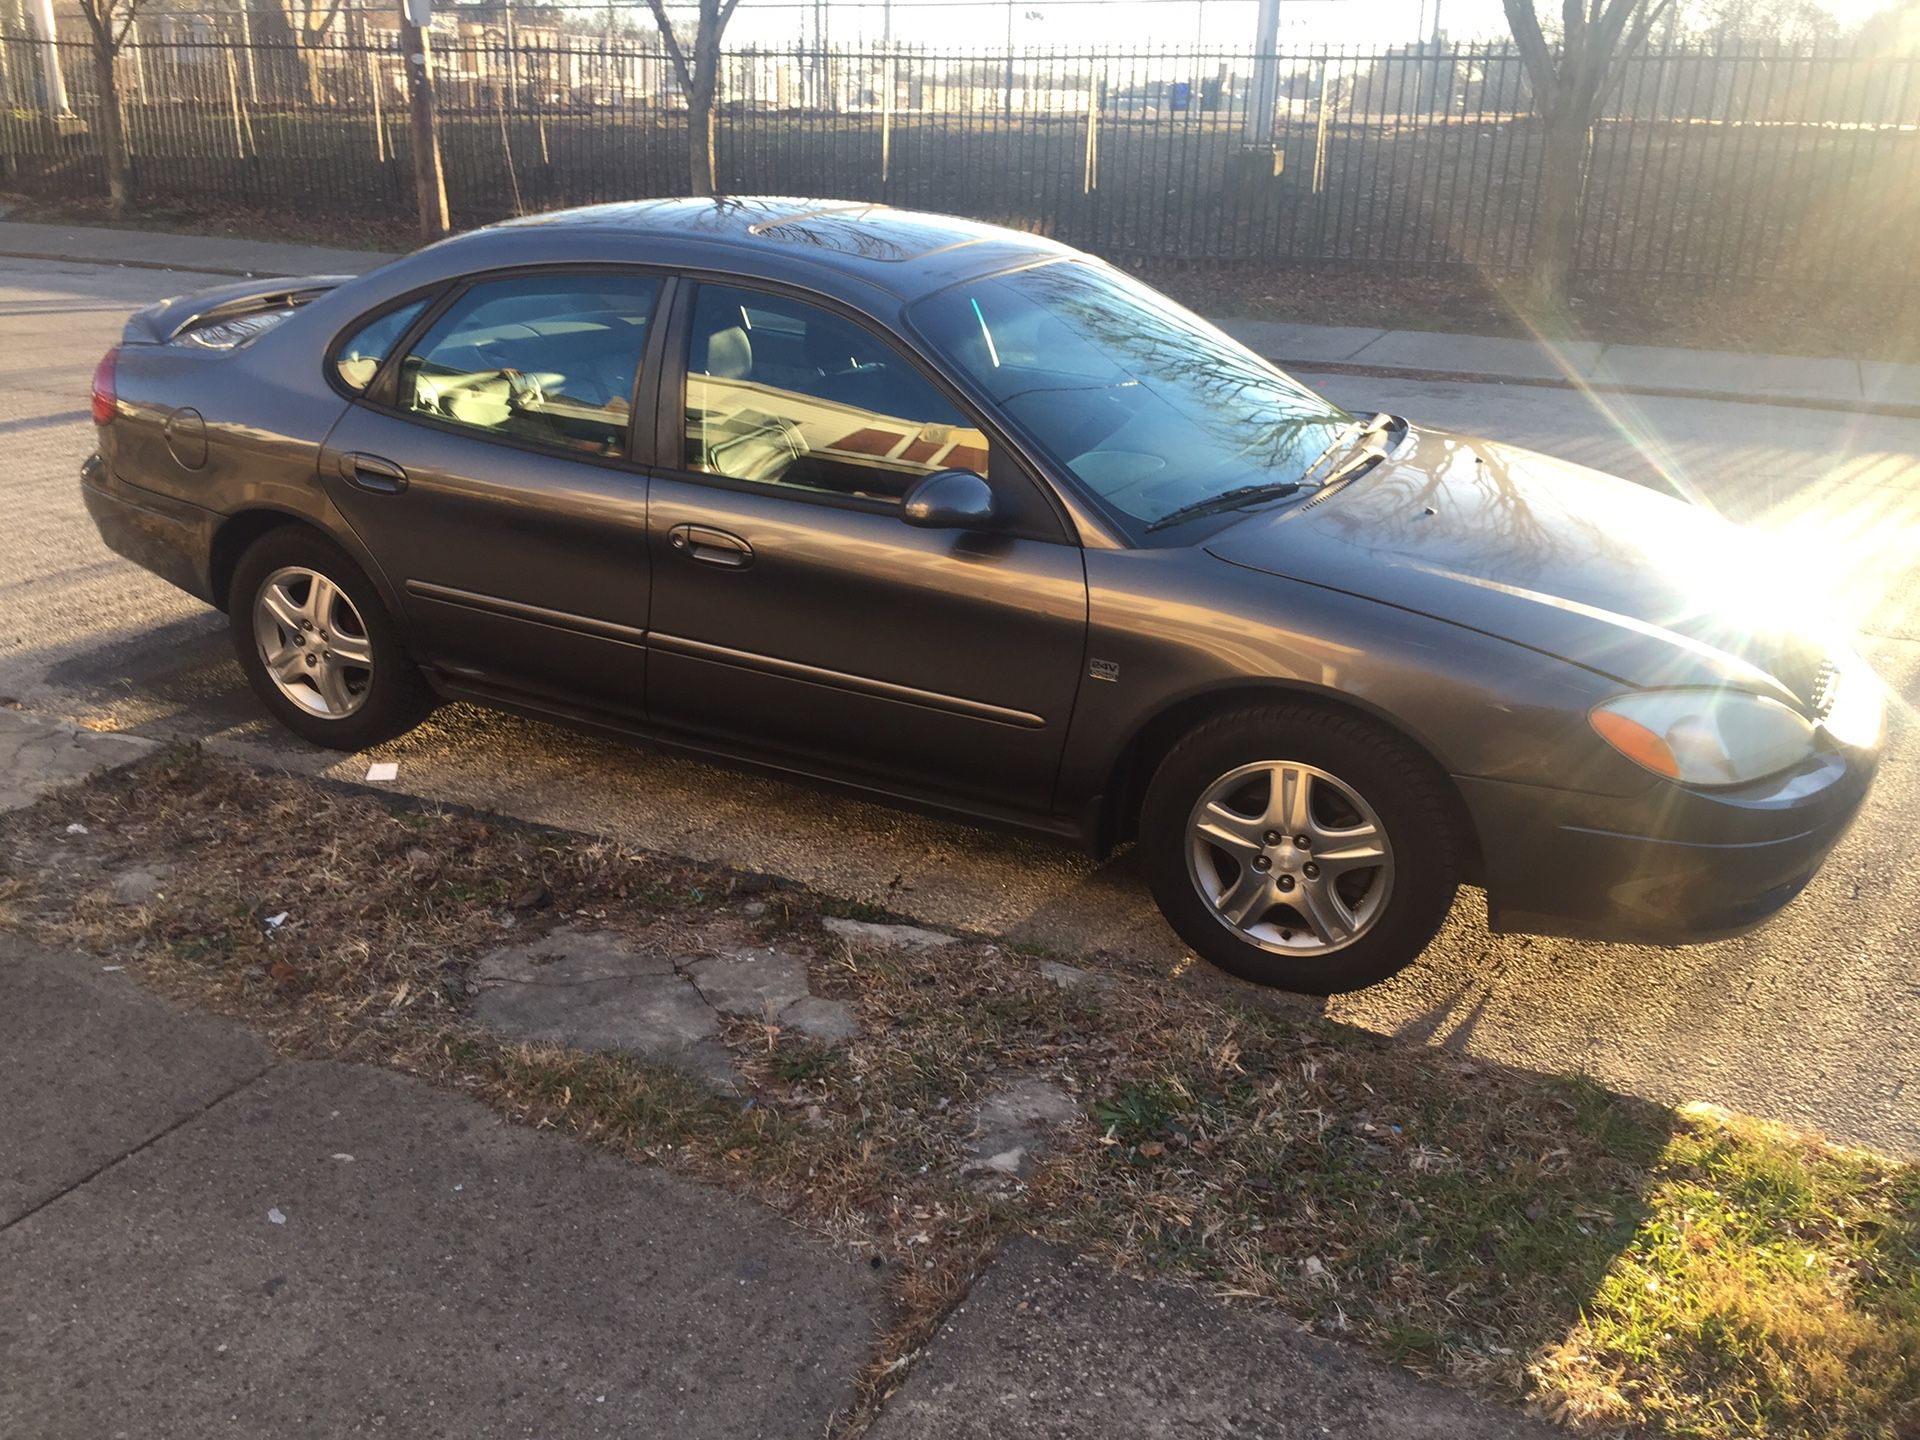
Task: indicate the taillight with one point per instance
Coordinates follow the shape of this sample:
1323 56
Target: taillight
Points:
106 401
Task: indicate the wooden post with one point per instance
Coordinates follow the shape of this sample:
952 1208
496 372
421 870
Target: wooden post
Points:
377 81
233 102
430 185
1090 167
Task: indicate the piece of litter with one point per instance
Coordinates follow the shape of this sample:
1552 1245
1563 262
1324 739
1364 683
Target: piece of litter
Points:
274 922
342 1156
459 1188
76 828
383 770
109 969
276 1217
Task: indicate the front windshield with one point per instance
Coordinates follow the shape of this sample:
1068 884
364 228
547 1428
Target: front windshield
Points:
1153 409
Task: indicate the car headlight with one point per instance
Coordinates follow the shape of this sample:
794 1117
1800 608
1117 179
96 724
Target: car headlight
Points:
1705 737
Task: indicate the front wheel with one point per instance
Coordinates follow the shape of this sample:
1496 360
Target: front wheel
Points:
318 647
1300 848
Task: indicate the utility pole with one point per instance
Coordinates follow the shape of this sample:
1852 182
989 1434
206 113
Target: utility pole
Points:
56 82
1009 62
430 186
1266 78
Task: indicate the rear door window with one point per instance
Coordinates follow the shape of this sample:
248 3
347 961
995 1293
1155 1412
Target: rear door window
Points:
549 360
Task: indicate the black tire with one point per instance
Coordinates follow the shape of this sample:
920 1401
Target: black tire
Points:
390 696
1403 789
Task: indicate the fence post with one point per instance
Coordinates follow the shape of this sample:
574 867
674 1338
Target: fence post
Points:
429 185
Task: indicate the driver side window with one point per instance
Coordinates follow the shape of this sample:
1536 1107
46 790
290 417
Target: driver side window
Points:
547 359
785 393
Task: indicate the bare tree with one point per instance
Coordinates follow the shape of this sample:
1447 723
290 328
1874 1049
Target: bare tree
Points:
108 22
700 78
1570 84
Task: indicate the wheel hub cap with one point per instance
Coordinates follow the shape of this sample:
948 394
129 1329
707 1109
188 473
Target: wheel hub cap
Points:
313 642
1289 857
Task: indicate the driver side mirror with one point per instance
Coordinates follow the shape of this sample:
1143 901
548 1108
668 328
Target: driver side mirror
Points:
949 500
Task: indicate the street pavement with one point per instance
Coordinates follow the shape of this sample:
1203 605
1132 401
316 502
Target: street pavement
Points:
1805 1021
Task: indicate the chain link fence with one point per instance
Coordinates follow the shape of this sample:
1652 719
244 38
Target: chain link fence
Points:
1705 167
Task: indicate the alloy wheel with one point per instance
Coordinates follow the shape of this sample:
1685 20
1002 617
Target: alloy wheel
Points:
1289 857
313 642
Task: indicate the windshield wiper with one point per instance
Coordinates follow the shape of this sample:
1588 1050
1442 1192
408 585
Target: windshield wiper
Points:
1350 435
1358 443
1228 500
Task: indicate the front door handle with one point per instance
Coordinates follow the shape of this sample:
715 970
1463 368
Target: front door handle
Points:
710 546
370 472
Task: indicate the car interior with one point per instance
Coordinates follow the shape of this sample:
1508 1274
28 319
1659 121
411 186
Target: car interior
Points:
788 394
556 368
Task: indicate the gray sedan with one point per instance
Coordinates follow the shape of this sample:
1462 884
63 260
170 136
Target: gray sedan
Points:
960 518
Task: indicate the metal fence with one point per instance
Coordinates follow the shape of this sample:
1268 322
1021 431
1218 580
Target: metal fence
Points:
1705 168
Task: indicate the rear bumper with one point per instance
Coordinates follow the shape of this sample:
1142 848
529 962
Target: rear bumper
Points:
170 537
1669 867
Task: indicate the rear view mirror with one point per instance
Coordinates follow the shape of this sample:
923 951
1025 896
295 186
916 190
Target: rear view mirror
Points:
949 500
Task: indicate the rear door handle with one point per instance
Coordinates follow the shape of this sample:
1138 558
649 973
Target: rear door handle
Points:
370 472
710 546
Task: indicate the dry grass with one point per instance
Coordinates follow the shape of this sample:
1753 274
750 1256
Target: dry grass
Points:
1540 1240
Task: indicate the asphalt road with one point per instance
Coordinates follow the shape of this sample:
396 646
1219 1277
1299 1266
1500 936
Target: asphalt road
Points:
1806 1021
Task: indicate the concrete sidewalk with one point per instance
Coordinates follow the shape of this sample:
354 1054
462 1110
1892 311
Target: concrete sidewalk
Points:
1826 383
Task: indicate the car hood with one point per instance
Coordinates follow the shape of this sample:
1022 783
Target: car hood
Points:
1584 566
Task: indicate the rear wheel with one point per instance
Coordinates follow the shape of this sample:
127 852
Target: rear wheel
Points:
318 646
1300 848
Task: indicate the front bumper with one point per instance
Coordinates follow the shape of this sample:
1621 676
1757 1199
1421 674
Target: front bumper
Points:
1672 866
172 538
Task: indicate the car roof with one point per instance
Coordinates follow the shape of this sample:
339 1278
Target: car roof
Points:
906 252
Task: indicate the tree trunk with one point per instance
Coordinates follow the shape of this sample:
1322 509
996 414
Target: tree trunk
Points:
700 138
113 136
1557 232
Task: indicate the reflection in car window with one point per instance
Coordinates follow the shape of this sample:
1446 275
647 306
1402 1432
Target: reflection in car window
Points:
550 359
358 361
1152 408
785 393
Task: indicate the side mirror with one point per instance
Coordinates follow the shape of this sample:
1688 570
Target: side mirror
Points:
949 500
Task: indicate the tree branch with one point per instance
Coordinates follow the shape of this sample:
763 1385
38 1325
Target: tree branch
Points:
1535 57
674 52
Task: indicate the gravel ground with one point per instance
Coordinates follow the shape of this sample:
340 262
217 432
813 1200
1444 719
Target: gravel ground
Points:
1804 1021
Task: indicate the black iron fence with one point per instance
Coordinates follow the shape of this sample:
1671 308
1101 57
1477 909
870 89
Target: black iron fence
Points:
1705 167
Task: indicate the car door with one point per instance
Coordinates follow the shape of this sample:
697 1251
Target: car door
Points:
489 471
796 612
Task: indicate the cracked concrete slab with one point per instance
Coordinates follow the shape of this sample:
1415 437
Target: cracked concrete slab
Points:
872 932
760 984
144 1065
38 755
821 1019
571 956
1014 1124
594 990
341 1250
1046 1348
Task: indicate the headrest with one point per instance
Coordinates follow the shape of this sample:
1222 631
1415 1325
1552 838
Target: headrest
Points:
729 354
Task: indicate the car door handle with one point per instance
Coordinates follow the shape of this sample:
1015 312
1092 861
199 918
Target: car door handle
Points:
370 472
710 546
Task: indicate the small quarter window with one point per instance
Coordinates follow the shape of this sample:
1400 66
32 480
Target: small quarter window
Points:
358 361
